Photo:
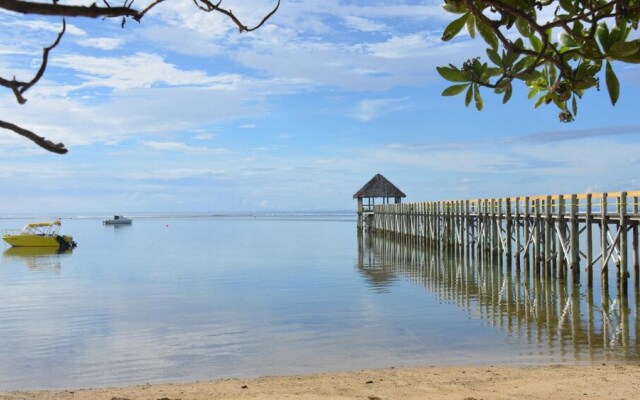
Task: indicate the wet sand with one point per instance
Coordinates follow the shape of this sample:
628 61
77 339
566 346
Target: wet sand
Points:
464 383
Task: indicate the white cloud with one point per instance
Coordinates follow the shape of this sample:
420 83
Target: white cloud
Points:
364 24
102 43
184 148
140 70
370 109
203 136
42 25
405 46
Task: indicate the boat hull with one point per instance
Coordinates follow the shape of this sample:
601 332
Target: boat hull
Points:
38 240
112 222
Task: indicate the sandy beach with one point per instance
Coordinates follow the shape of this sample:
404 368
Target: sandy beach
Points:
464 383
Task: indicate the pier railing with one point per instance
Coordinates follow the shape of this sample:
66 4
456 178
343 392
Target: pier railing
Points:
552 231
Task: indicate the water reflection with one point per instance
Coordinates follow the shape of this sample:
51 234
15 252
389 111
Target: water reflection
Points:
571 320
37 258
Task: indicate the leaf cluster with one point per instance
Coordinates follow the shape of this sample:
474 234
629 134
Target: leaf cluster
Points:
558 59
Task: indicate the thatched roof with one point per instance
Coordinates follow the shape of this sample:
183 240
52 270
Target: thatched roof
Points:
379 186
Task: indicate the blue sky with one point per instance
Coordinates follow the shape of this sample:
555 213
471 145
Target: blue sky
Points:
183 113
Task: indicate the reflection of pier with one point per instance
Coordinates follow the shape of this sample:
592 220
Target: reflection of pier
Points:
583 321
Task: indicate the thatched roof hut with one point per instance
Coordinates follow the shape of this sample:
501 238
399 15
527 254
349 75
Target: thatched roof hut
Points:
379 186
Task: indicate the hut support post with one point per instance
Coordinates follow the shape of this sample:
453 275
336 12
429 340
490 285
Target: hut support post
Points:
360 215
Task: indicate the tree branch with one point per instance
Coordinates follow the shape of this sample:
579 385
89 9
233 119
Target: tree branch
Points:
209 6
45 59
39 140
93 11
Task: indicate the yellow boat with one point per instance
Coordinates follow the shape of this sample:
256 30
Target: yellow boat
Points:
39 234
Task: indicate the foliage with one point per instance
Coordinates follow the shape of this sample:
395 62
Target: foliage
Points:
125 12
557 48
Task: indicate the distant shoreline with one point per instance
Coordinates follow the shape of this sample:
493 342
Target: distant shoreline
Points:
459 382
313 215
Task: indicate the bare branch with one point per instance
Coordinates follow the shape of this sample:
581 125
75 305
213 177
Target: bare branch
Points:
45 59
146 9
39 140
93 11
209 6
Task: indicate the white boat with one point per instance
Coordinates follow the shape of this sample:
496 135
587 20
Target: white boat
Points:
39 234
117 220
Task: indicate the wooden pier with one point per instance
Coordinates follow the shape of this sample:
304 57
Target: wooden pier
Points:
553 234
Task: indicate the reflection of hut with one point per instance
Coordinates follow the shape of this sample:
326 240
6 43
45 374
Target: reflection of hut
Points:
378 187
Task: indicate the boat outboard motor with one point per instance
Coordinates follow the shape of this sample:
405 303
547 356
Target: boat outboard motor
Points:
63 243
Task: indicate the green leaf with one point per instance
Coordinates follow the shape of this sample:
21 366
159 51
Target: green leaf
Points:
452 74
487 34
494 57
559 103
578 29
454 28
529 76
633 59
523 27
455 89
585 74
507 94
476 95
620 50
540 100
471 26
553 73
469 96
591 50
455 7
510 58
535 43
567 5
603 36
489 72
613 86
520 65
620 33
567 40
574 106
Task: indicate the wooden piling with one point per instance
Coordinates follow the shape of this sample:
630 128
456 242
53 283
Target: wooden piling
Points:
589 258
560 248
603 234
636 250
624 271
508 227
547 228
574 242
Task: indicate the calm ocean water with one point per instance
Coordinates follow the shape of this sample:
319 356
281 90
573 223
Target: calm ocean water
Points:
201 297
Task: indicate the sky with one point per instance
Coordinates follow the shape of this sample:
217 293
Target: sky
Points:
182 113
